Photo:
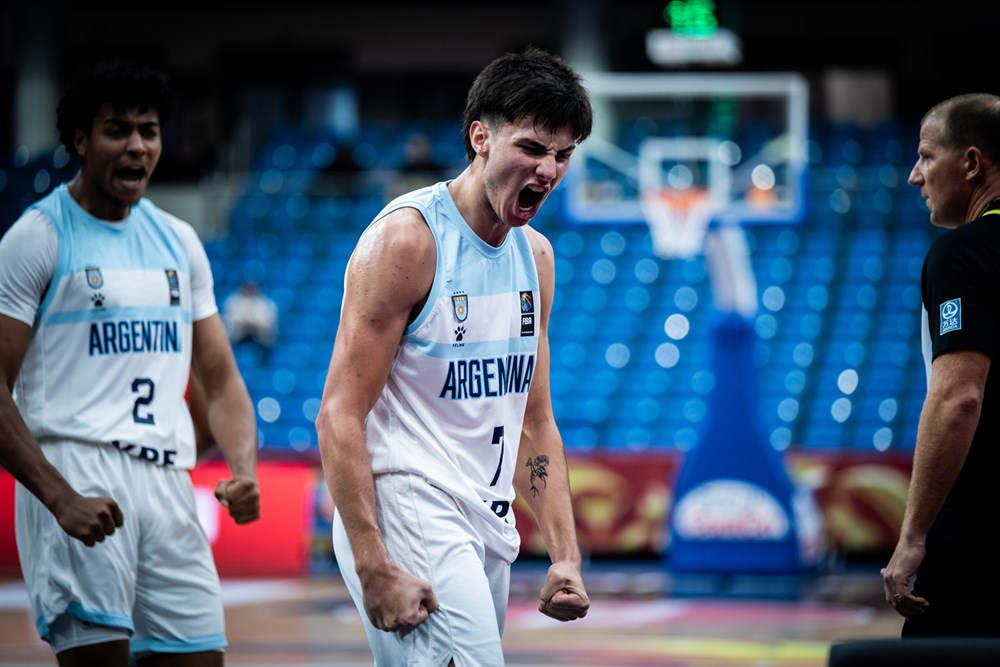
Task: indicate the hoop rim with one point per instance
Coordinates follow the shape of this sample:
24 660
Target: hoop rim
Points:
678 218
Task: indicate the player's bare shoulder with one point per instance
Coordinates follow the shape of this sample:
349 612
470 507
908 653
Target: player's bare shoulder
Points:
400 234
541 248
396 255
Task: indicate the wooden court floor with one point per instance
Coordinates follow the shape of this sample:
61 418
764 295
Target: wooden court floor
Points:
640 616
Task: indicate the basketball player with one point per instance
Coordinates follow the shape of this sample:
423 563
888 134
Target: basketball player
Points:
946 538
106 303
437 400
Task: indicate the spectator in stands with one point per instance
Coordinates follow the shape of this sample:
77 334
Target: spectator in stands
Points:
252 317
437 398
106 304
418 155
946 538
419 166
344 174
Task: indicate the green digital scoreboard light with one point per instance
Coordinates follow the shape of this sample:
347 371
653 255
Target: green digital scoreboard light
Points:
694 37
694 19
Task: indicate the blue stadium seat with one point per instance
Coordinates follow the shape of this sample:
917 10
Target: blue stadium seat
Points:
840 290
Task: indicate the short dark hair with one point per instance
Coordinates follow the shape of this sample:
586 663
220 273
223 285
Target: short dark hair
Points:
971 120
125 84
533 83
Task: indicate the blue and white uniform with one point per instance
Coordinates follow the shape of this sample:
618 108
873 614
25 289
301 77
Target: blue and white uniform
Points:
444 436
101 387
111 304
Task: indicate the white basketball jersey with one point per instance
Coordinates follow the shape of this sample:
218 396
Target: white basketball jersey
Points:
110 352
454 403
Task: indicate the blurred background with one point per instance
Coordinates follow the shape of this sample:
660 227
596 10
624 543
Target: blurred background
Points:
297 121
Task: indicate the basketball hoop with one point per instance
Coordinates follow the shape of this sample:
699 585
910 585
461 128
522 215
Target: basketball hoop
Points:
677 218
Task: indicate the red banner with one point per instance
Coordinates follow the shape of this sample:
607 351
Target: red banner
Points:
621 501
278 544
861 495
10 566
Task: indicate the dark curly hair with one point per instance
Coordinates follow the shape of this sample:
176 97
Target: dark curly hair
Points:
534 83
123 83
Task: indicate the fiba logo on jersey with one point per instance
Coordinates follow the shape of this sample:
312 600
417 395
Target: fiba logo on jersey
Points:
174 285
527 314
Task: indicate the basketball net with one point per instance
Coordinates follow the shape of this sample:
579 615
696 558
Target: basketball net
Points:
677 219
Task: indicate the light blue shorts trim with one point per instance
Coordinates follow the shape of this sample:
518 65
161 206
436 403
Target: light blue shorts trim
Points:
90 616
215 642
69 631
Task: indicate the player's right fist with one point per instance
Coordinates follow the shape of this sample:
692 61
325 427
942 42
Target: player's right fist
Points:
89 520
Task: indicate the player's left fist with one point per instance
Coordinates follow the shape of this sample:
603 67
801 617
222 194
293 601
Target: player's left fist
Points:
564 597
241 496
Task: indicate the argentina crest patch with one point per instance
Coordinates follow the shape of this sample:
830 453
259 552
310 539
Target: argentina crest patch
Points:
460 304
951 315
94 278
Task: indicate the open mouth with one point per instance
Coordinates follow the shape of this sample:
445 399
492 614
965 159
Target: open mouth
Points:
131 174
529 198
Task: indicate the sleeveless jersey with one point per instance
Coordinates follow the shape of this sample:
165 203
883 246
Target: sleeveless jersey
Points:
110 353
453 405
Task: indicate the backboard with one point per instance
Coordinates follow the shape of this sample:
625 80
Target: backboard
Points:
739 137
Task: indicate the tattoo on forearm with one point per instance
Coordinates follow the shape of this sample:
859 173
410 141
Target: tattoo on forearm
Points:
539 471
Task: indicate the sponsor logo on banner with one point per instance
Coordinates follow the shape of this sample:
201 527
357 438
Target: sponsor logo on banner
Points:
730 509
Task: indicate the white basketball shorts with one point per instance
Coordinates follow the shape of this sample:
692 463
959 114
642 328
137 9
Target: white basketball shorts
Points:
428 535
155 576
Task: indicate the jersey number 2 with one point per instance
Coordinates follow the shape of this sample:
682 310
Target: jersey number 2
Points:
144 387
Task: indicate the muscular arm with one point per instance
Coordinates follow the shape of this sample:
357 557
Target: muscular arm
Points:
947 425
205 443
230 417
388 279
542 476
88 519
